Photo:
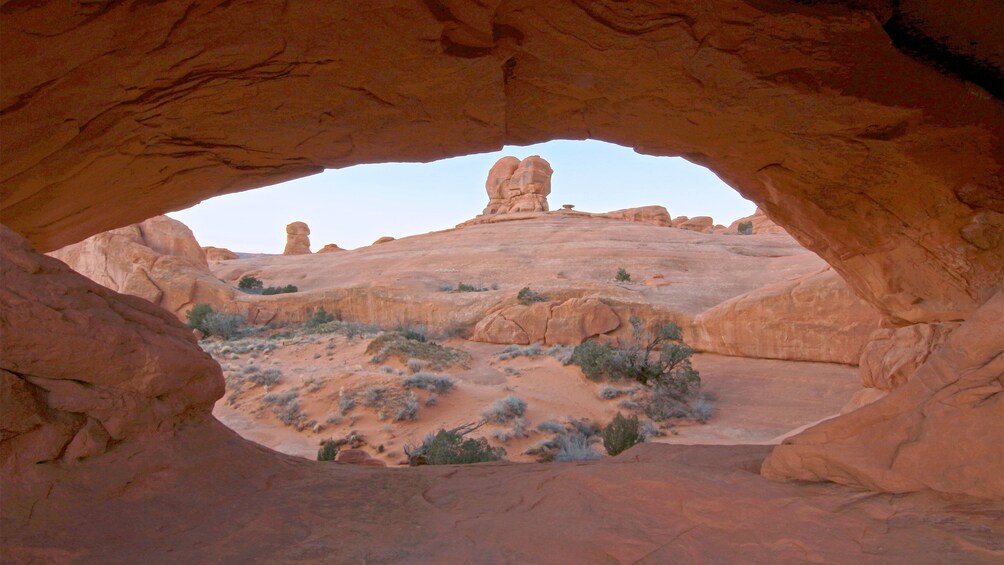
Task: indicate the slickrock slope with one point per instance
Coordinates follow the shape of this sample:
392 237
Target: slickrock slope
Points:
158 260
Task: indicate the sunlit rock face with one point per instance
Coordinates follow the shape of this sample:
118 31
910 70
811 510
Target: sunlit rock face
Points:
870 132
157 259
518 186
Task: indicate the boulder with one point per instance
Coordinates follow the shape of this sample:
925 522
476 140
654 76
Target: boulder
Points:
297 240
219 254
703 224
383 239
158 260
566 323
329 248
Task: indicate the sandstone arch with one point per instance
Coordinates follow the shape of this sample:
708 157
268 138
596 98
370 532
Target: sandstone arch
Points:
870 131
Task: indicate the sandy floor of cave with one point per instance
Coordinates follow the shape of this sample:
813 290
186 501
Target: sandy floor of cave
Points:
757 401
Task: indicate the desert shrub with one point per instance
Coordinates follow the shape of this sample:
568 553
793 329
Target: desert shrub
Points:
328 451
407 409
611 392
288 289
197 317
583 427
551 426
649 430
505 409
463 287
621 433
414 332
427 381
575 447
562 353
595 359
526 297
226 326
703 410
286 407
670 376
374 395
346 403
319 318
267 377
396 345
415 365
622 275
432 400
518 430
745 228
513 351
450 447
249 283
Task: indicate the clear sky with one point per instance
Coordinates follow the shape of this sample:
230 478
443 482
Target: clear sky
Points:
354 206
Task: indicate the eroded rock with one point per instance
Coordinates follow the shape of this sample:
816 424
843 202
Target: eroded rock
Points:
297 239
518 186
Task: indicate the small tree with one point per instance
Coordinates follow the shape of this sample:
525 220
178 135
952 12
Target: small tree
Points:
249 283
745 228
450 447
328 451
197 317
622 275
621 433
319 318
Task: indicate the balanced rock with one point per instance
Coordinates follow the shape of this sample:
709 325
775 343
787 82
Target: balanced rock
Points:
518 186
219 254
297 242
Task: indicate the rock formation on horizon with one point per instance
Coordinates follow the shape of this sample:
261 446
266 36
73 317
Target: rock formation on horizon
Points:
655 215
297 242
330 248
518 186
219 253
760 224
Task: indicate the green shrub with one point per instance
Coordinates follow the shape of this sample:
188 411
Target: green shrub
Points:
328 451
197 317
622 275
621 434
399 346
526 297
426 381
450 447
226 326
595 359
319 318
745 228
288 289
249 283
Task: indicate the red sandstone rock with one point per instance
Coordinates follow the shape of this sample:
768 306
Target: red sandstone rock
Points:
158 260
655 215
383 239
567 323
358 457
939 430
759 223
703 224
515 186
331 247
142 372
891 356
297 240
219 254
815 317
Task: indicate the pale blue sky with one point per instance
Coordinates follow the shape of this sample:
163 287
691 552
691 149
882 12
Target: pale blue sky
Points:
354 206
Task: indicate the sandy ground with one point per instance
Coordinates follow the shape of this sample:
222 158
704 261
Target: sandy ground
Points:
755 400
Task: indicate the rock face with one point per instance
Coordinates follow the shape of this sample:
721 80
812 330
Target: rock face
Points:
815 317
567 323
759 223
297 240
219 254
329 248
143 372
518 186
893 355
939 430
158 260
655 215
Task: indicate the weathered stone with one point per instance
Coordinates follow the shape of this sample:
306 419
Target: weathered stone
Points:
219 254
655 215
891 356
297 240
515 186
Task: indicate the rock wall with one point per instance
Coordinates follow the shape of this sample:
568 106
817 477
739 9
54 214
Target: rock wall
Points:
655 215
759 223
812 318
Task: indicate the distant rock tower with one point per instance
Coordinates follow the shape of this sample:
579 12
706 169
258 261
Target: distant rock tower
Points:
518 186
297 242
